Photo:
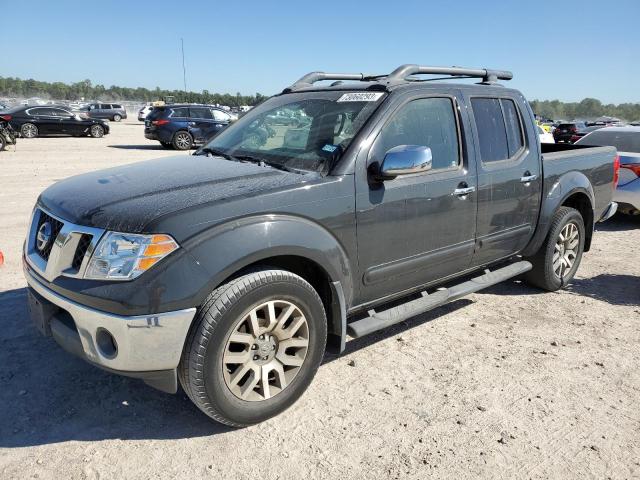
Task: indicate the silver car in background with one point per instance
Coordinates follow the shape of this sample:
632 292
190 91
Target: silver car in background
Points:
627 142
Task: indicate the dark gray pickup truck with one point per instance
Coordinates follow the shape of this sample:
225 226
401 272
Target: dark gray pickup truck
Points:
371 200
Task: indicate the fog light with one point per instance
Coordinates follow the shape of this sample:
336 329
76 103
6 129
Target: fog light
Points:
106 343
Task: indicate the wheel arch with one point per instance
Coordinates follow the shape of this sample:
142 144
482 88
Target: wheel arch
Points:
285 242
570 190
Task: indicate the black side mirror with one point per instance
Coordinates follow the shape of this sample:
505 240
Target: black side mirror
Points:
405 160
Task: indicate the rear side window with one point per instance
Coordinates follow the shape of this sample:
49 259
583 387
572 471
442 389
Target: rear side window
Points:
514 128
116 106
180 112
199 112
499 128
428 122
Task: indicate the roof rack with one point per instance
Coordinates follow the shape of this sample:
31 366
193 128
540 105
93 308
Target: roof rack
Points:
488 76
402 73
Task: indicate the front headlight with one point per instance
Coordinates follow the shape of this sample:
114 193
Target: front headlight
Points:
124 256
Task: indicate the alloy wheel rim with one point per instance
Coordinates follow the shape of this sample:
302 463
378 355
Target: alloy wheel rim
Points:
265 350
183 141
29 131
96 130
566 250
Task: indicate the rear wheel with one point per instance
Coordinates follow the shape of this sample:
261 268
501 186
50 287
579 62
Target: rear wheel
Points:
557 261
96 131
182 140
29 130
255 346
117 118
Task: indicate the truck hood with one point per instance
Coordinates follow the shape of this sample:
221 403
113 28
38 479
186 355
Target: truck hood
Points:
131 197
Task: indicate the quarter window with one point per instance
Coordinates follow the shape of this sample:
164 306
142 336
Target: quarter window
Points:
428 122
499 128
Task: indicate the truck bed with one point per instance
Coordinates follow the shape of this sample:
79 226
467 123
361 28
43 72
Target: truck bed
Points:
596 163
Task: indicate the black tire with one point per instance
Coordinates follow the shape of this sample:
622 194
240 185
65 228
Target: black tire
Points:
96 131
182 140
543 275
3 142
167 145
117 117
201 367
29 130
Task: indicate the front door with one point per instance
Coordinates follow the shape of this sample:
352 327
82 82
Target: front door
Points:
418 228
509 177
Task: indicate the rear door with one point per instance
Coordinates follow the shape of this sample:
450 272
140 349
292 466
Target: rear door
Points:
415 229
45 120
509 176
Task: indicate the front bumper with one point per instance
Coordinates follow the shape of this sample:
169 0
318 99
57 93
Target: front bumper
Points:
143 346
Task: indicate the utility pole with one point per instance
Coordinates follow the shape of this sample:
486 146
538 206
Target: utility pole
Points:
184 70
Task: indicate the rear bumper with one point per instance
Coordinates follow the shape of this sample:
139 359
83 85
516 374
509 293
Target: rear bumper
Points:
609 212
629 194
143 346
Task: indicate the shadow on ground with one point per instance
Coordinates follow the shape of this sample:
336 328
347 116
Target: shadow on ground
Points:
619 223
138 147
48 396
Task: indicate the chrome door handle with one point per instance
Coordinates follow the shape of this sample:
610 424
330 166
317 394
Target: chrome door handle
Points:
528 178
461 192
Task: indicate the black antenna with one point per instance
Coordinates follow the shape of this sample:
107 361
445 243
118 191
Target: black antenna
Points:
184 70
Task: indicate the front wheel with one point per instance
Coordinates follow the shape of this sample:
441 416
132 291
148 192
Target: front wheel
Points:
97 131
254 348
29 130
557 261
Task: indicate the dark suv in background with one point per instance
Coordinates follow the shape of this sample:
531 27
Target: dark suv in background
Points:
110 111
184 126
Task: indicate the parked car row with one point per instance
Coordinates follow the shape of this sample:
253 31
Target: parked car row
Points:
35 121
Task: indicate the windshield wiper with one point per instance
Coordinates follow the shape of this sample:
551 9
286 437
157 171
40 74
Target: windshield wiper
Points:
263 163
214 152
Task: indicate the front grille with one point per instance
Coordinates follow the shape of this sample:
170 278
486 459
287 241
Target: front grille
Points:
81 250
56 226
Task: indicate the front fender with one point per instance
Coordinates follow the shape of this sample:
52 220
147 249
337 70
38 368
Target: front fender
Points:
562 187
228 248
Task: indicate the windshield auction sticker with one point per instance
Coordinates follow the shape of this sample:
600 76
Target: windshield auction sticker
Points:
360 97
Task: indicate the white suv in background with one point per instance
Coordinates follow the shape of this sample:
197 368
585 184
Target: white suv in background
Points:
144 111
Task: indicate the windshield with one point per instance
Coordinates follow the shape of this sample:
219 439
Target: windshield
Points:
623 141
302 131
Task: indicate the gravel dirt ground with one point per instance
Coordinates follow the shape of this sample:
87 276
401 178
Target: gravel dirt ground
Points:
507 383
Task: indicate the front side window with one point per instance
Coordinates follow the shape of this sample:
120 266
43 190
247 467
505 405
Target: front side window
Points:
304 131
428 122
219 116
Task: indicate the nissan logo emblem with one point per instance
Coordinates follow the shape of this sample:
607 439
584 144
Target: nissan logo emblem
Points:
43 237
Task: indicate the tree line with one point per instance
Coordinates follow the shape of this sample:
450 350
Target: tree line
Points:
17 87
587 108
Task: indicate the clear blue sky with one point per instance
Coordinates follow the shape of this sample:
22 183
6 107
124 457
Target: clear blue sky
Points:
560 49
